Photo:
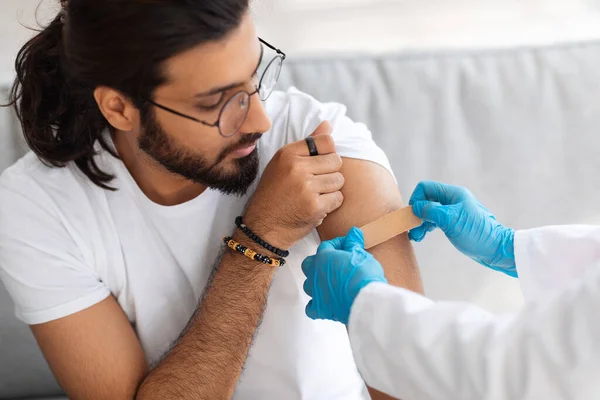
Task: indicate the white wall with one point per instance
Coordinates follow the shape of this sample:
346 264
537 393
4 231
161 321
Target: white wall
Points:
310 26
15 15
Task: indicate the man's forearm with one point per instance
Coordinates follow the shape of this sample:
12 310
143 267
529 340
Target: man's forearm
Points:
208 359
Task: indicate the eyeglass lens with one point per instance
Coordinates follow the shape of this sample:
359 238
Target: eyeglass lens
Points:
270 77
234 113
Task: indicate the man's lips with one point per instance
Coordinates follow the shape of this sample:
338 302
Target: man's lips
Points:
244 151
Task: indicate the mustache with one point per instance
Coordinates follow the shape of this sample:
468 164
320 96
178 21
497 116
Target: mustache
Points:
245 141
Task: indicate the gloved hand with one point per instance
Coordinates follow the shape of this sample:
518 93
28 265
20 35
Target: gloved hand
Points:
469 226
336 274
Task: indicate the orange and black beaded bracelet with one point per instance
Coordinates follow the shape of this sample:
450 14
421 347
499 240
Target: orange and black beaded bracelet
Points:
251 254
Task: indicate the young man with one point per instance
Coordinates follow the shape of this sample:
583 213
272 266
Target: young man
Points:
144 118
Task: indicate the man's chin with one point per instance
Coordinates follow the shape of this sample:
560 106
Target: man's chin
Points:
230 176
234 187
240 174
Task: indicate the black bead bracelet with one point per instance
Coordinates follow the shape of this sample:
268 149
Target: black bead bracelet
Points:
239 222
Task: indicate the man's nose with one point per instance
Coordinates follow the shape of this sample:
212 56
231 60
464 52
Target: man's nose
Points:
258 120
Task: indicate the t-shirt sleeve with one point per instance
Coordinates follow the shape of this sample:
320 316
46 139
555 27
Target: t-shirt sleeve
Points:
303 114
41 265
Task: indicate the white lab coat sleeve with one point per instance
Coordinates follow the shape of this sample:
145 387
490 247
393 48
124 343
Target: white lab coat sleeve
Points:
413 348
548 259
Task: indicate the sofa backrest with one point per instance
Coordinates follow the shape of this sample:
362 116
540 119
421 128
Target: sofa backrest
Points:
519 127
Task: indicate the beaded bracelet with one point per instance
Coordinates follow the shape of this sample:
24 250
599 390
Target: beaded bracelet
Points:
251 254
240 224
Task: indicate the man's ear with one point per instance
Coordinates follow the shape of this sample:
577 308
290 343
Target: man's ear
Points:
118 109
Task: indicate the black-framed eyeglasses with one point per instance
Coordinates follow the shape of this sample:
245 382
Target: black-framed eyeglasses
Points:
235 110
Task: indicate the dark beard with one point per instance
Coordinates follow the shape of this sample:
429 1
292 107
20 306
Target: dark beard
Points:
158 145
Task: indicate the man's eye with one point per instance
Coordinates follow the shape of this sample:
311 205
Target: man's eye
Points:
210 103
203 107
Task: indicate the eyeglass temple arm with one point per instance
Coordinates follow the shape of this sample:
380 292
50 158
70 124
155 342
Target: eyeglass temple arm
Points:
216 124
272 48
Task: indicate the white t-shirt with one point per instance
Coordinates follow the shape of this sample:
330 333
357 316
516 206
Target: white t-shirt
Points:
66 244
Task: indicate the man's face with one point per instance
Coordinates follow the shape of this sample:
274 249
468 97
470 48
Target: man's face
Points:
199 83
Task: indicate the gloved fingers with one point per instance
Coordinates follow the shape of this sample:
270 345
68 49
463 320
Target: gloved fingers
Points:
308 266
311 310
429 190
308 287
355 238
333 244
444 217
418 193
430 211
438 192
418 234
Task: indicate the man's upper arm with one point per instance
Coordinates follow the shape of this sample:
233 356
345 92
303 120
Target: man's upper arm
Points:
370 192
94 354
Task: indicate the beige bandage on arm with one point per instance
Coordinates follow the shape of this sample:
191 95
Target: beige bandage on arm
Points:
389 226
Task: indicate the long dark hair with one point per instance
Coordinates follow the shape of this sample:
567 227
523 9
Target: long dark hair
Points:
120 44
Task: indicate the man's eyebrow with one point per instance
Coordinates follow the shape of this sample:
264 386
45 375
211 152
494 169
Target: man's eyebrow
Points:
236 84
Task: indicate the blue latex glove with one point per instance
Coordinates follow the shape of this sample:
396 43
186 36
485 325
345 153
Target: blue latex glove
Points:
469 226
336 274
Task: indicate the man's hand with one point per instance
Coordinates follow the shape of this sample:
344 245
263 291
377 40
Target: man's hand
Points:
297 191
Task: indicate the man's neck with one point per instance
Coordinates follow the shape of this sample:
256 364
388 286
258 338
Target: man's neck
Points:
159 185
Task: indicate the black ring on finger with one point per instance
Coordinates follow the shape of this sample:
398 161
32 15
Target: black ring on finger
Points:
312 146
